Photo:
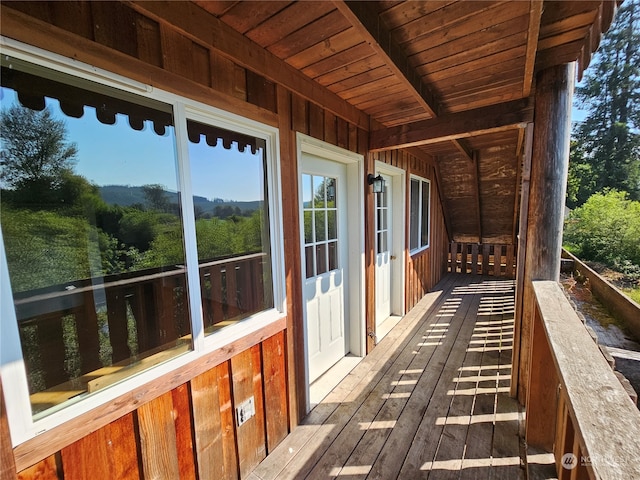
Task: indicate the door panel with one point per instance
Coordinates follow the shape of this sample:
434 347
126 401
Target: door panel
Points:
323 213
384 244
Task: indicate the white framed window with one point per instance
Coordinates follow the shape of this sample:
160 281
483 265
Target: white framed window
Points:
419 214
140 230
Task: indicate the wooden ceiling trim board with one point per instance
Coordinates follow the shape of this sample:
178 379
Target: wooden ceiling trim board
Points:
321 29
482 37
570 23
456 125
380 88
401 118
330 46
377 74
353 69
557 10
486 21
247 15
475 54
533 33
216 9
286 22
194 22
558 55
514 82
449 15
511 72
490 61
495 95
406 12
363 18
334 62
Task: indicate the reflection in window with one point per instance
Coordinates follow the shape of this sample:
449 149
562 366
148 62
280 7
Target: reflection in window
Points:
419 214
92 230
228 174
320 224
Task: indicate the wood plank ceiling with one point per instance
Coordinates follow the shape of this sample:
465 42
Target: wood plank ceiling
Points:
446 79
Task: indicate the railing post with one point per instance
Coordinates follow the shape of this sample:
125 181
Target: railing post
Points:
542 392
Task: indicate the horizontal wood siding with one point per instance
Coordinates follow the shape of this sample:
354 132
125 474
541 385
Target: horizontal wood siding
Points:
188 432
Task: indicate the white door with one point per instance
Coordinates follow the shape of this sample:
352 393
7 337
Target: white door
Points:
324 219
384 244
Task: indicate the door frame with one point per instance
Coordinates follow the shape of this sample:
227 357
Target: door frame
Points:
354 162
398 233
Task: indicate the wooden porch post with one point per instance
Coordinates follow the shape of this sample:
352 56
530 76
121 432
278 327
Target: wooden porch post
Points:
549 170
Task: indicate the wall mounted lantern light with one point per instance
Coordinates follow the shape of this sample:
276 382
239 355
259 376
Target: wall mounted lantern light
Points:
377 182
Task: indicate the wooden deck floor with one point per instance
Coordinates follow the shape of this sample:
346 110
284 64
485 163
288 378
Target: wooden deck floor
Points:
431 401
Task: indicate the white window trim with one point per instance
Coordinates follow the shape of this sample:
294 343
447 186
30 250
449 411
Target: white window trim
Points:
12 368
420 248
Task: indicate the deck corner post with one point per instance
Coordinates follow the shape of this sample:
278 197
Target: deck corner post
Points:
548 184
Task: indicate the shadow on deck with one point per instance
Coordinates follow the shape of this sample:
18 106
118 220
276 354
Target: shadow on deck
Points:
431 401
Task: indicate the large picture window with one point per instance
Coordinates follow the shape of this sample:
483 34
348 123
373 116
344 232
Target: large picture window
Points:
96 238
419 214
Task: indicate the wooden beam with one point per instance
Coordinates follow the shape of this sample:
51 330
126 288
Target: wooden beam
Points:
366 21
535 14
476 188
204 28
495 118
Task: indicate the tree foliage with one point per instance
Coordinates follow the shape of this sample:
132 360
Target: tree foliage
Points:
606 147
35 155
606 229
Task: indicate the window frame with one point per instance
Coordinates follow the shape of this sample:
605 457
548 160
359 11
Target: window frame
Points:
421 193
22 425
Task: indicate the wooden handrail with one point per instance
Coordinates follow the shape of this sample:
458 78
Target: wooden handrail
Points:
576 405
139 315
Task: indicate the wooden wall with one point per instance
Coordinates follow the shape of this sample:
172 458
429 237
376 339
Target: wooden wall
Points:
424 269
186 432
183 424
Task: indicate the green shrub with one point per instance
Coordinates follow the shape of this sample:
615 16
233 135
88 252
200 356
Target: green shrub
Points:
606 229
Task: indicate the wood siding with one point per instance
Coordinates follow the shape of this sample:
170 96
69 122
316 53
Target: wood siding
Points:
187 432
184 423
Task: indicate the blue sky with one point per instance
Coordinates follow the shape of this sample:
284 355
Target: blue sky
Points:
119 155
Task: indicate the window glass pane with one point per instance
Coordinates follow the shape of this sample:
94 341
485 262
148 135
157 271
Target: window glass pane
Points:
309 255
308 226
321 258
332 224
228 175
333 255
92 226
321 229
414 216
307 191
319 192
331 192
424 223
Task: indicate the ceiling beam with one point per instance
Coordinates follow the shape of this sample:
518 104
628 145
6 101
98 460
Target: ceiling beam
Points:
204 28
495 118
535 14
365 19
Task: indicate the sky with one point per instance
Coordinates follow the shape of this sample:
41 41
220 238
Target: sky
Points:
119 155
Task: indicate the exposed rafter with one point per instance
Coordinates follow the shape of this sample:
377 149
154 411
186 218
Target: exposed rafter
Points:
535 13
495 118
366 20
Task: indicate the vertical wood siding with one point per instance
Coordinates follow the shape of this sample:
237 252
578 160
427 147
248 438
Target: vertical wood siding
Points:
190 430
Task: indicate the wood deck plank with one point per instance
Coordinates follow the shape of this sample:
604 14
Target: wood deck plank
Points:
430 401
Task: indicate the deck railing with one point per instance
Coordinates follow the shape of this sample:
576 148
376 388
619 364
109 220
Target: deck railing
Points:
133 315
498 260
576 406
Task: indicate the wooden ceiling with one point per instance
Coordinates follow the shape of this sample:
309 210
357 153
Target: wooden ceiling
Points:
450 80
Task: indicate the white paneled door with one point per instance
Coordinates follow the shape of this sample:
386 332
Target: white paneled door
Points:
325 249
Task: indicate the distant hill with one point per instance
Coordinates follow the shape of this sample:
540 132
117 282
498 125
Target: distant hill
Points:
126 196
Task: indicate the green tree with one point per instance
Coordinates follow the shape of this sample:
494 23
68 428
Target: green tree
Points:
35 157
607 142
606 229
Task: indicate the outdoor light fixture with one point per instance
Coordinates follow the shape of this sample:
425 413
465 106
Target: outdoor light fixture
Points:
377 182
